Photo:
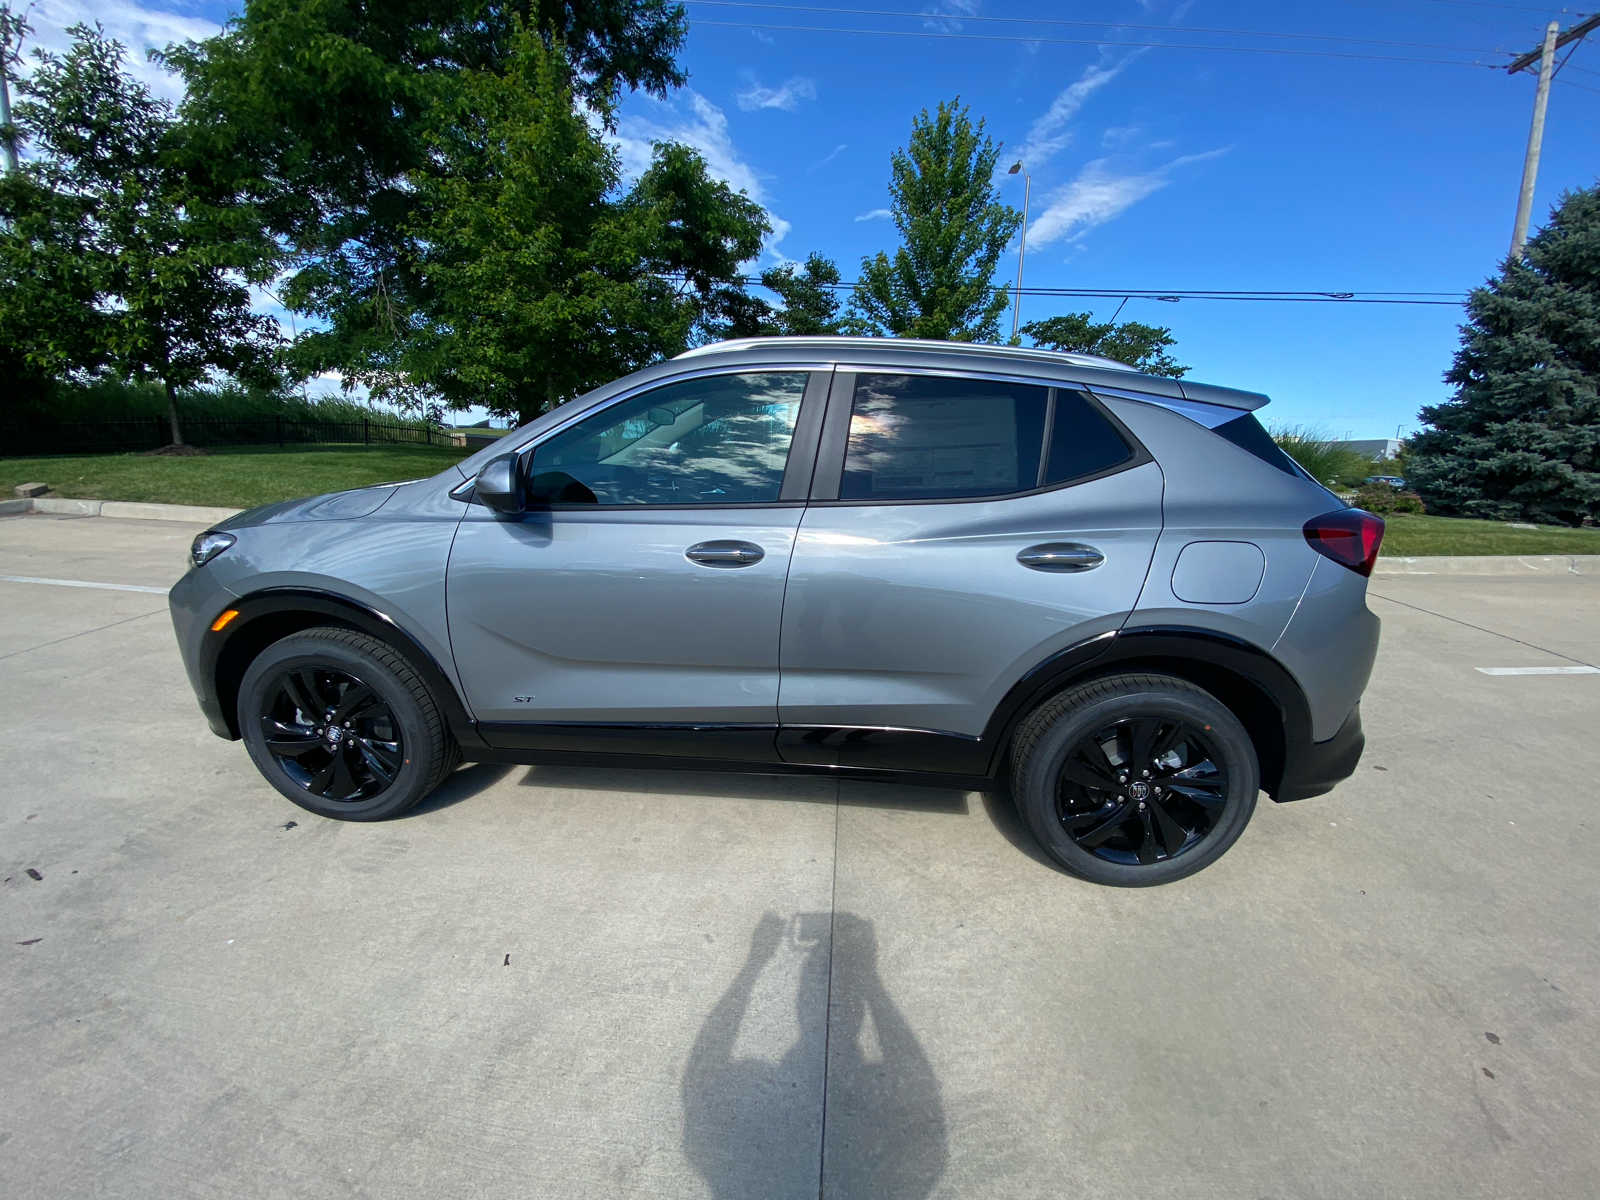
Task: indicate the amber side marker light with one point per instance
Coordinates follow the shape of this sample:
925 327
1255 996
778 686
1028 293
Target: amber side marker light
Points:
216 626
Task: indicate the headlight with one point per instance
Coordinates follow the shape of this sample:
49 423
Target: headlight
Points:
208 545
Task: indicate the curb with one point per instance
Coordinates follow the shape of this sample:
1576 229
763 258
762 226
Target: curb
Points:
127 510
1490 564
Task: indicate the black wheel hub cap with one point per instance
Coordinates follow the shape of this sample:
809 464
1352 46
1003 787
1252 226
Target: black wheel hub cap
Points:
1142 791
332 734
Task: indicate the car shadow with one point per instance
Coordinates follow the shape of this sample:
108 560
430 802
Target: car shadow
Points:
730 785
461 784
851 1108
741 785
1001 808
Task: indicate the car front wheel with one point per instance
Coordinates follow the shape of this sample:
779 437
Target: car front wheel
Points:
339 723
1135 780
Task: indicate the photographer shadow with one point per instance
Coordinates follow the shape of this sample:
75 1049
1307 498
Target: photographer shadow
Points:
754 1128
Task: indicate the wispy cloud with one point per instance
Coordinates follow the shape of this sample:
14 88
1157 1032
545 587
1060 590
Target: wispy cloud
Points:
138 28
786 97
876 214
1100 193
1051 133
946 15
706 131
828 157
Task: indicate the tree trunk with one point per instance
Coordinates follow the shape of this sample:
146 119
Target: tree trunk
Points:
172 413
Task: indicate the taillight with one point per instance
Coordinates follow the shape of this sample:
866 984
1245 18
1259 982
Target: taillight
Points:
1350 537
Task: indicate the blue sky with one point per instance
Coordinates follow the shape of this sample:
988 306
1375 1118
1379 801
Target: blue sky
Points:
1347 166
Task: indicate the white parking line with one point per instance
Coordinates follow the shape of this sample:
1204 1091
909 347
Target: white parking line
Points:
111 587
1540 670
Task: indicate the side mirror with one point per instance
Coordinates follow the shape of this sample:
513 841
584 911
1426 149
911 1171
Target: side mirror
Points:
498 487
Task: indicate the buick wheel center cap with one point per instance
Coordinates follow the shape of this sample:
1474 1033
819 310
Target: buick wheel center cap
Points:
335 735
1138 791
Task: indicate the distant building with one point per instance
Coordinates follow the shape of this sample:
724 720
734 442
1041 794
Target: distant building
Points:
1374 448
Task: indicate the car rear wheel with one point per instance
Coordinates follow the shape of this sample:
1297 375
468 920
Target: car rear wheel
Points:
1135 780
339 723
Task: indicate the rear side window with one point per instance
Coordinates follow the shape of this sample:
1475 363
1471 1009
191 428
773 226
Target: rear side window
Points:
1246 433
917 437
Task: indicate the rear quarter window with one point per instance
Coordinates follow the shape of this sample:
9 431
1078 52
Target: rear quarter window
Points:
1246 433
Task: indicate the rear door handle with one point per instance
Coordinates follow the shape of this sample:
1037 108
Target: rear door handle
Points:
725 554
1061 556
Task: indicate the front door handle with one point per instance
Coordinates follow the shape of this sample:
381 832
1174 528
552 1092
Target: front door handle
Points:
1061 556
725 554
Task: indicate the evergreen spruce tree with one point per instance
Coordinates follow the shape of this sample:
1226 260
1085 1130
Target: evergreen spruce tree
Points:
1521 439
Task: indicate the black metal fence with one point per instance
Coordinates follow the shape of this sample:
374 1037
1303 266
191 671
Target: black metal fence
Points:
151 433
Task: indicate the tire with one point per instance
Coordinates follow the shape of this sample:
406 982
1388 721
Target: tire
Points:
388 748
1134 780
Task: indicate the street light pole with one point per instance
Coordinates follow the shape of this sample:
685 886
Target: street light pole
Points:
10 145
1022 246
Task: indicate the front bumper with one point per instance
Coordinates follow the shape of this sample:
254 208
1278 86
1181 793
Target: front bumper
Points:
194 601
1316 768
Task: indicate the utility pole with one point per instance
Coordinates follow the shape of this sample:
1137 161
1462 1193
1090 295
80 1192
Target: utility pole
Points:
1545 56
1530 162
1022 246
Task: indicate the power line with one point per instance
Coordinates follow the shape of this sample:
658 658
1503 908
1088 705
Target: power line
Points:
1514 8
963 17
1575 34
1173 296
1533 8
983 37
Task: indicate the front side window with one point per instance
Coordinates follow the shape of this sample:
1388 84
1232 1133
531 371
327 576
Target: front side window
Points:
719 440
921 437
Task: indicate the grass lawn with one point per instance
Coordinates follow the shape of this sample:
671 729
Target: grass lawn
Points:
241 477
1407 536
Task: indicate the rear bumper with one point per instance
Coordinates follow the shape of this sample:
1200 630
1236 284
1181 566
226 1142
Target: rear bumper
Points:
1315 768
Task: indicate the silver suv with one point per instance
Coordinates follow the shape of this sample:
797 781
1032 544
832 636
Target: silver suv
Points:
864 558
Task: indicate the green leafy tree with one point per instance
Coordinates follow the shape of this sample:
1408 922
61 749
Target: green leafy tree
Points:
49 324
704 232
953 228
1142 347
133 273
1521 438
810 298
541 278
327 114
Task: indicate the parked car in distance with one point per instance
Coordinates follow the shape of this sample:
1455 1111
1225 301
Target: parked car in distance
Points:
1393 481
859 558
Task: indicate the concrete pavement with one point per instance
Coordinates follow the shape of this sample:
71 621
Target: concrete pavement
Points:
583 983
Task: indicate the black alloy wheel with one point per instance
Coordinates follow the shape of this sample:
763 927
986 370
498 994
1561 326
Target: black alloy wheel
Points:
1134 780
340 723
332 734
1143 790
